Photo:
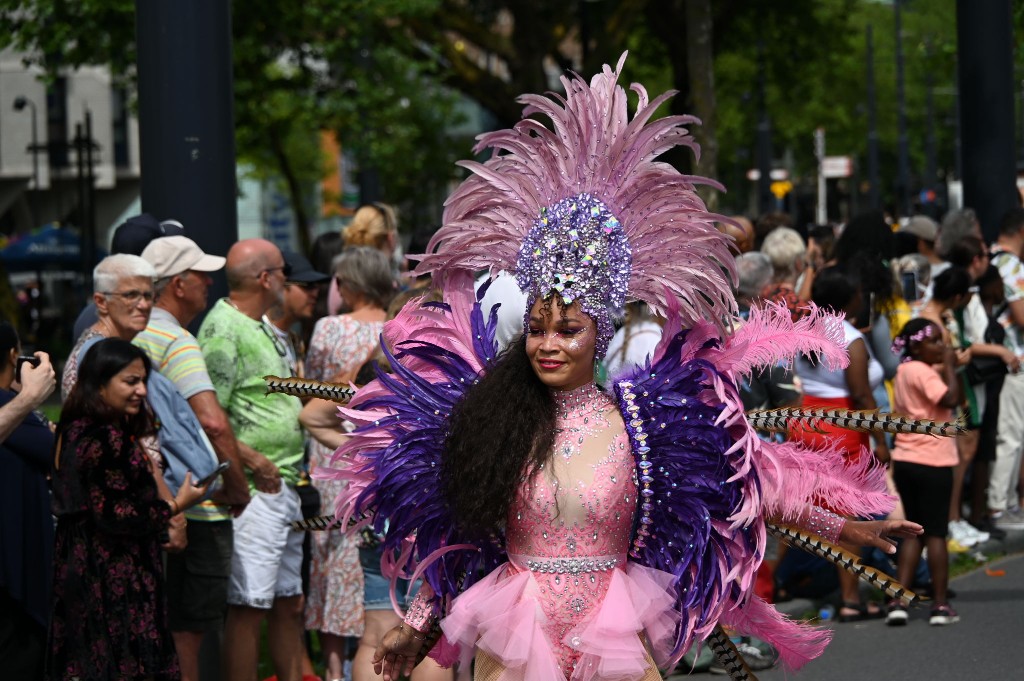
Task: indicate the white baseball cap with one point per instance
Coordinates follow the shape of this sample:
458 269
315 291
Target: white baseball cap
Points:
173 255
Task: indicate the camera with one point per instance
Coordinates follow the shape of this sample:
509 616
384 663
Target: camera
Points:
33 360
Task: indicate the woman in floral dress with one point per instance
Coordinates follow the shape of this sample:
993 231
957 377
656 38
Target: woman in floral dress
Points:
109 616
339 346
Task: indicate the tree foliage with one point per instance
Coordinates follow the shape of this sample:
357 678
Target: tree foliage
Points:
342 65
380 72
815 63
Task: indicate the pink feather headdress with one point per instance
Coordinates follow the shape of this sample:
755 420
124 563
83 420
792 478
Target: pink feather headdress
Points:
584 211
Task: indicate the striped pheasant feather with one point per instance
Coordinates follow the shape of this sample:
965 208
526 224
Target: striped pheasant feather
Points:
315 524
859 420
730 658
815 544
305 387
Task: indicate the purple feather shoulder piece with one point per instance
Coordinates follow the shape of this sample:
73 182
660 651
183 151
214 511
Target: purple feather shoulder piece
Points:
392 462
708 483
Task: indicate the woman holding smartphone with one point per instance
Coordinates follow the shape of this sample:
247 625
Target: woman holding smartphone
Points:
109 617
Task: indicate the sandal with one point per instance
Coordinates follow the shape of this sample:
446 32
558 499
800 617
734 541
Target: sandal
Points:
864 612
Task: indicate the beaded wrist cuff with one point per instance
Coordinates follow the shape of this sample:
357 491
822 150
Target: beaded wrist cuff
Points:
825 523
420 615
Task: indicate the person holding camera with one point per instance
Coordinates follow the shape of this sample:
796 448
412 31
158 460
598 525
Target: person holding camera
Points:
26 528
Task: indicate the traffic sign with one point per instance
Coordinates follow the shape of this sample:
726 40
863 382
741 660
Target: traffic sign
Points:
837 166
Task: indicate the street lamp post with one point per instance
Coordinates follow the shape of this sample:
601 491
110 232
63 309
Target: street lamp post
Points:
20 102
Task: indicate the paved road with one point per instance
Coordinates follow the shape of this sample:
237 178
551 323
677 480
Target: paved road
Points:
987 643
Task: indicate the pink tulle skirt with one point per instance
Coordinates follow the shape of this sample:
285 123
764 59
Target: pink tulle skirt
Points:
503 616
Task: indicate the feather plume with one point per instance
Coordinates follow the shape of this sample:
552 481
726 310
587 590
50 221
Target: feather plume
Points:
794 477
682 416
815 544
391 461
797 642
592 147
770 336
307 387
867 421
315 524
730 658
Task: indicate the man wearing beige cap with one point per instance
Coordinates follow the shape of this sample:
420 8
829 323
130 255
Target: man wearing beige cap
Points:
926 231
197 579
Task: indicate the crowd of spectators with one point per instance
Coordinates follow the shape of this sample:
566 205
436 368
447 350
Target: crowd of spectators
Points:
148 574
933 327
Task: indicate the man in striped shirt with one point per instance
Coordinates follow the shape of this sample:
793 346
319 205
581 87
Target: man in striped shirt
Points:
197 579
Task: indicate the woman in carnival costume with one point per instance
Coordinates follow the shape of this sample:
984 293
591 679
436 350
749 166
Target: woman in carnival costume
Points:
564 532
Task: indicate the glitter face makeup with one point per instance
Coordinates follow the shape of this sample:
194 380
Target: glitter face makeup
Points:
560 342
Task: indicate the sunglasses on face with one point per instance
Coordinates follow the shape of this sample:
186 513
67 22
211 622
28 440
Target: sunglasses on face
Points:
304 285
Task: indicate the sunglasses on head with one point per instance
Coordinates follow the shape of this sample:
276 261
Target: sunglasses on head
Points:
286 269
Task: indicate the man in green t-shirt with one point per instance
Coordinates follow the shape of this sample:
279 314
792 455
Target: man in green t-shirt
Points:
265 569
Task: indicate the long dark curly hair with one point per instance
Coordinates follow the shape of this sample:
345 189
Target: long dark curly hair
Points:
500 433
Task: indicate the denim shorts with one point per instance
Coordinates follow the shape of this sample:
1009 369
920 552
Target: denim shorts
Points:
376 587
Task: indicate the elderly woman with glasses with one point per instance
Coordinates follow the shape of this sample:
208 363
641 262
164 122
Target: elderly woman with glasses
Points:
123 293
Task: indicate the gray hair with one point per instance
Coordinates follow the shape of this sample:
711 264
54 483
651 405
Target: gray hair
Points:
160 285
754 271
366 271
784 247
956 225
113 268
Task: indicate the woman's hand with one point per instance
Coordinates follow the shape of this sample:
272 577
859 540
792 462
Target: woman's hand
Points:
1011 360
188 494
396 655
882 453
876 532
177 533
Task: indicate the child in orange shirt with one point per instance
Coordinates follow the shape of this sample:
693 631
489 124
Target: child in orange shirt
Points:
923 464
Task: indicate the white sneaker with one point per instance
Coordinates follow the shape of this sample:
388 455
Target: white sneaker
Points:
981 535
959 532
972 531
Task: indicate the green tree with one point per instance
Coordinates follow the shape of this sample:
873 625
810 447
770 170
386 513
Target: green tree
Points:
816 75
299 68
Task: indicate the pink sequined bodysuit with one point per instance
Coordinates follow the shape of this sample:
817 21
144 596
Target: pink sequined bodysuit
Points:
580 508
568 605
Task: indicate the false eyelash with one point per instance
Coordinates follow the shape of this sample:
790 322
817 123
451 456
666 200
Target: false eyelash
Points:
305 387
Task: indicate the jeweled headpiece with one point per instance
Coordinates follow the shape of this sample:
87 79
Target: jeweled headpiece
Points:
584 211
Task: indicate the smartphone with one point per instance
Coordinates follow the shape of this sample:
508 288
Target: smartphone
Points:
33 360
221 467
908 281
